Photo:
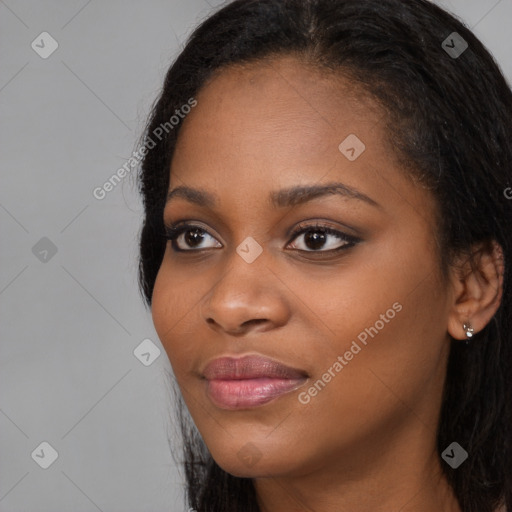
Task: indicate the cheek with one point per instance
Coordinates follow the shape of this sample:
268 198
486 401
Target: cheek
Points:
393 306
174 311
394 375
163 305
389 328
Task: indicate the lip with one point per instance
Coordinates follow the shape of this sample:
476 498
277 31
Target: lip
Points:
249 381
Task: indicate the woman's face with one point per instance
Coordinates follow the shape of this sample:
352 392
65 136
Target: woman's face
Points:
353 320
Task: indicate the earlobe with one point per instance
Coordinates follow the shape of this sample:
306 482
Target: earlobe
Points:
477 284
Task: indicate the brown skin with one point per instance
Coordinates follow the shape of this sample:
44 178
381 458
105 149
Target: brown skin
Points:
367 441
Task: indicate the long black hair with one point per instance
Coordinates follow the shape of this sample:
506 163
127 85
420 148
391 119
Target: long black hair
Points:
449 118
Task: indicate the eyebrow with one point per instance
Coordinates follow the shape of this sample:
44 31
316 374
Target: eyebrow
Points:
301 194
278 199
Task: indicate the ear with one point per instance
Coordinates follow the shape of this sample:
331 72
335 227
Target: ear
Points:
477 285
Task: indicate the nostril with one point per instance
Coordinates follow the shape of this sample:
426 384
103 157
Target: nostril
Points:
254 321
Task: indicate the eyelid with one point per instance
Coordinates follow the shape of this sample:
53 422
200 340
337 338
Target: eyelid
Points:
320 223
317 225
173 231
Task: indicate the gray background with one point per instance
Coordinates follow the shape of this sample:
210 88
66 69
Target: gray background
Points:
70 323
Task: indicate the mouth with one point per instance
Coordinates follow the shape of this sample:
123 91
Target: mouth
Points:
249 381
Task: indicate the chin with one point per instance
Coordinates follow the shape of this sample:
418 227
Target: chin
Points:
250 462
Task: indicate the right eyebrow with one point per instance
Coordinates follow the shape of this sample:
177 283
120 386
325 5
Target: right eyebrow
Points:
193 195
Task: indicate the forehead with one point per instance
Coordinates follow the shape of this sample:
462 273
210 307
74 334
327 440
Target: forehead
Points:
280 123
282 92
276 112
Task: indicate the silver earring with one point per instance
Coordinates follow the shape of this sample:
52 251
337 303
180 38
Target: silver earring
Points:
468 329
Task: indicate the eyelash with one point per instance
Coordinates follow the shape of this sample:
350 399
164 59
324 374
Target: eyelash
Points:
174 231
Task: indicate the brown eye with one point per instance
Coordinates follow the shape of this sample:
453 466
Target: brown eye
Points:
315 239
193 237
189 238
322 239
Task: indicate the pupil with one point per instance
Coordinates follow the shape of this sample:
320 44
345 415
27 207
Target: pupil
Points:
315 239
194 236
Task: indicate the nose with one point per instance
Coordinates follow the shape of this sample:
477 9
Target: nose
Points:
248 297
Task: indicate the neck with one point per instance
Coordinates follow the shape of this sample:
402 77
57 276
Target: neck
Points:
406 476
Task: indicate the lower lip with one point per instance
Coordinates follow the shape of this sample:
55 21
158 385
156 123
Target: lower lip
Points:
247 393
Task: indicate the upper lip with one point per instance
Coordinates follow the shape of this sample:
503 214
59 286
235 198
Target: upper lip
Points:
250 367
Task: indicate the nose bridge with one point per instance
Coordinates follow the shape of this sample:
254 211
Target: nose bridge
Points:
246 264
245 293
241 282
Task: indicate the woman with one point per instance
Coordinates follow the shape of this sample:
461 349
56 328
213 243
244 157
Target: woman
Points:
326 253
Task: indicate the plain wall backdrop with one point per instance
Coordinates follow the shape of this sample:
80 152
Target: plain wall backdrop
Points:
72 319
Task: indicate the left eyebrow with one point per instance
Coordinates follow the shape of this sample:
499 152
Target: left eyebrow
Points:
301 194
